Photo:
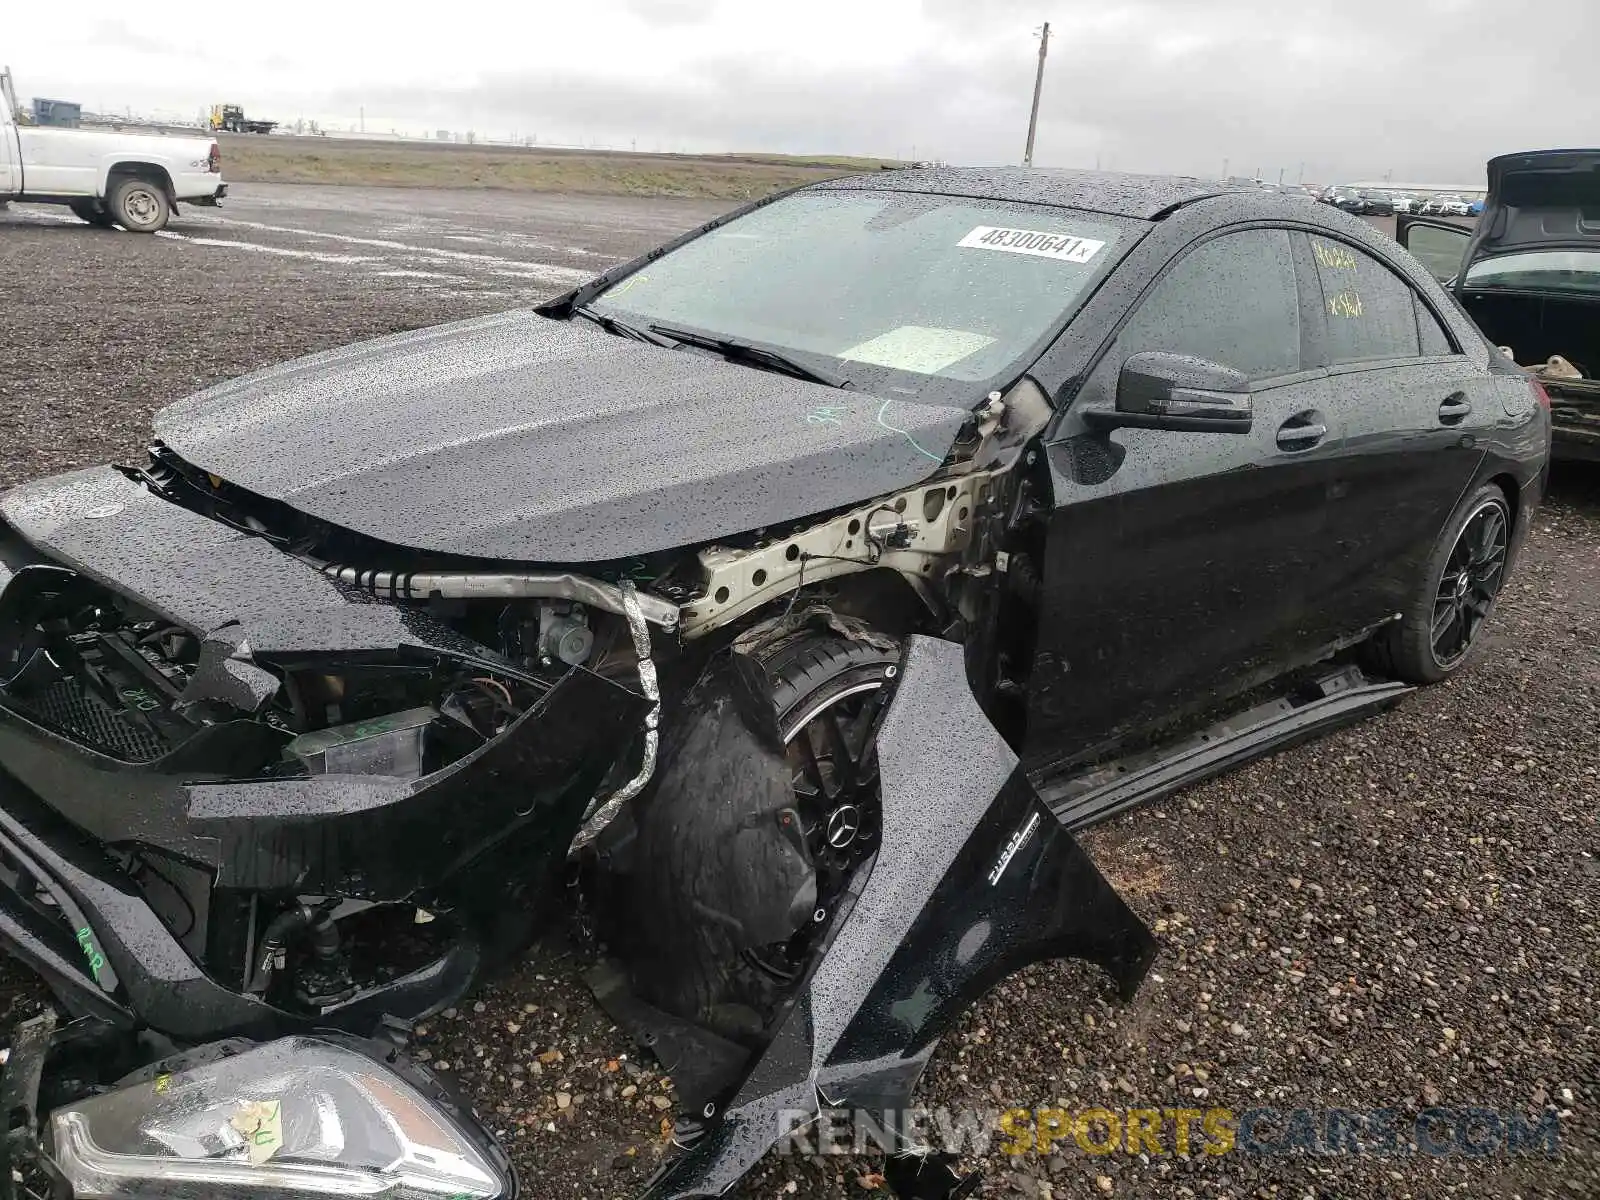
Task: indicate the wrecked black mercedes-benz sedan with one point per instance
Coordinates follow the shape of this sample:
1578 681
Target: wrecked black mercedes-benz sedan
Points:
792 591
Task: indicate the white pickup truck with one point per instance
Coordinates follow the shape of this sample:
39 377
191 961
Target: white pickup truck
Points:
134 180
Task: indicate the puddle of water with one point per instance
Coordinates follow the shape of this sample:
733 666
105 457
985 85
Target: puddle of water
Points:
547 271
400 273
257 248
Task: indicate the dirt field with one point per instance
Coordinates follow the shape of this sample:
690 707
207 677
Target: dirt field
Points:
1402 915
257 159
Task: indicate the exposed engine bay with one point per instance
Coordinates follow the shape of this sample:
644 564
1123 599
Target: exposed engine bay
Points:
276 671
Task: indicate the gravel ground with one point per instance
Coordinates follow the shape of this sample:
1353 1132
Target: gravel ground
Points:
1403 914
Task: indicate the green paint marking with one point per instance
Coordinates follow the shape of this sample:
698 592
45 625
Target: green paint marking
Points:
91 952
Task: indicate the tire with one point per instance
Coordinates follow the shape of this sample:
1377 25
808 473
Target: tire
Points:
735 865
91 211
1442 625
139 205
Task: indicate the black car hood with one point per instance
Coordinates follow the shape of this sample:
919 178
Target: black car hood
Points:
521 437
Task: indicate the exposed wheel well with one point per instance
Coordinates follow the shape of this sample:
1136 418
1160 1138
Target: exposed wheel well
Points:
1513 494
150 172
882 598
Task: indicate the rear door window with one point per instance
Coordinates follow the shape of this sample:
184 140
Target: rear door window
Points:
1232 301
1370 312
1434 338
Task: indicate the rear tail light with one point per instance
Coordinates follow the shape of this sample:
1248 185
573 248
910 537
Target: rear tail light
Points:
214 159
1539 394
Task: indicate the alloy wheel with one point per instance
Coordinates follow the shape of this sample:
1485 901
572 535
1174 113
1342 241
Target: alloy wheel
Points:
832 752
1469 582
833 756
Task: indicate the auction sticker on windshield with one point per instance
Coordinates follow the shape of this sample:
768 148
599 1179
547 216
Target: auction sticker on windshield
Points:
1063 246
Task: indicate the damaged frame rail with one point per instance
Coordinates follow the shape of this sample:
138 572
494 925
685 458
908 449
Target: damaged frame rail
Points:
974 880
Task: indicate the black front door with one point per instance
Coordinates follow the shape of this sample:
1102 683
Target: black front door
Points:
1178 564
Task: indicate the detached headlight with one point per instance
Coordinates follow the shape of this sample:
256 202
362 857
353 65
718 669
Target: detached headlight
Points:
299 1116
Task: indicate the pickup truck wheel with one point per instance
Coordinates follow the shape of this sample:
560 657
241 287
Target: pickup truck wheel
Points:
139 206
92 212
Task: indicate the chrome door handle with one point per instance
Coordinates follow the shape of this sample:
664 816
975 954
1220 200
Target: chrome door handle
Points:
1301 437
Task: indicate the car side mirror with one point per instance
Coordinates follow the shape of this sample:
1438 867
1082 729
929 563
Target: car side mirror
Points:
1174 391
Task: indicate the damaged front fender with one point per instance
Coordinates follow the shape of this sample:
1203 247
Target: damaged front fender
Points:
974 879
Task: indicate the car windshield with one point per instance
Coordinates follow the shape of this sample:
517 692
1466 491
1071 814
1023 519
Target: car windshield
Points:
1539 270
940 297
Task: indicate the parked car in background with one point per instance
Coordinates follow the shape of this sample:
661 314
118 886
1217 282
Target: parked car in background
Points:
1448 205
1405 202
1344 197
1529 275
134 180
1376 204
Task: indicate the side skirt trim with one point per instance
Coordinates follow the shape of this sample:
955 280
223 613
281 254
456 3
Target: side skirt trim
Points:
1338 698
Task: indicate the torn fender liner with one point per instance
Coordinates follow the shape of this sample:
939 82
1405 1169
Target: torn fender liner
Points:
974 880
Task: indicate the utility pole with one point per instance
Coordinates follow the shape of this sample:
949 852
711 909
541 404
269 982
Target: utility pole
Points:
1038 87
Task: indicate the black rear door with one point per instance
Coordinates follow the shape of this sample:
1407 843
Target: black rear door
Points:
1414 411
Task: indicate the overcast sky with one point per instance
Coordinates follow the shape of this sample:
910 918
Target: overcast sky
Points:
1427 89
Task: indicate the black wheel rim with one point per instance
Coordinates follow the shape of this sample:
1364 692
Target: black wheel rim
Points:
1469 583
833 754
832 750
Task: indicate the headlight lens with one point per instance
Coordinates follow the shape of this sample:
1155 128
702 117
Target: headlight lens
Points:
299 1116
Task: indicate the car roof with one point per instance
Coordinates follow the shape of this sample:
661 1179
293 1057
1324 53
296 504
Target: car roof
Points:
1146 197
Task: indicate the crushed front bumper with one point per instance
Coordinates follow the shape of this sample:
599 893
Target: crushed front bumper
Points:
440 840
70 807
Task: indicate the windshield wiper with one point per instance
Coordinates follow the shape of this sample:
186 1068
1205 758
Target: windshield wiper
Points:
737 350
622 329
